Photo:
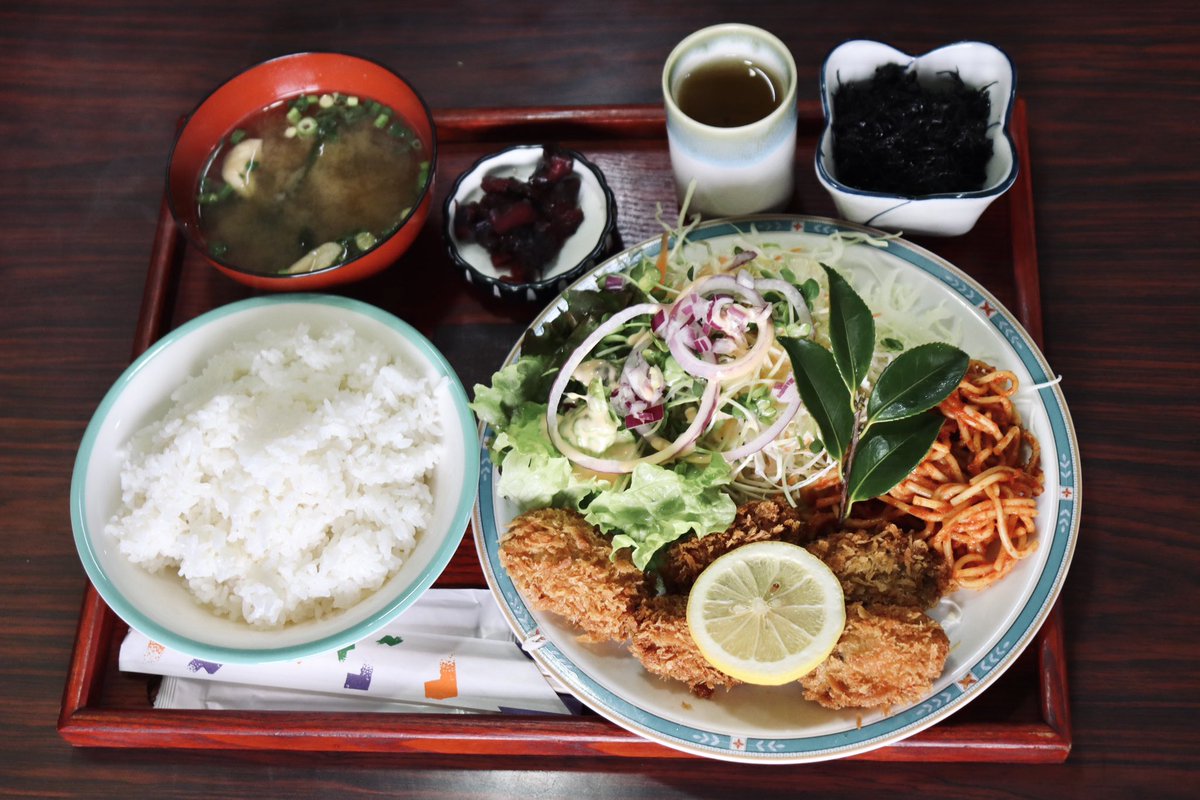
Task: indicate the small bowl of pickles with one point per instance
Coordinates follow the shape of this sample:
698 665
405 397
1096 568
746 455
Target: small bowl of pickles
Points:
523 223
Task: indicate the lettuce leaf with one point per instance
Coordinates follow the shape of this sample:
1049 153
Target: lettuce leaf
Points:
533 474
585 310
526 380
661 505
654 507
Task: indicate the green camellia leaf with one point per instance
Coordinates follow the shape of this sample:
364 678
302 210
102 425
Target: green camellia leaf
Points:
887 452
917 381
824 393
851 330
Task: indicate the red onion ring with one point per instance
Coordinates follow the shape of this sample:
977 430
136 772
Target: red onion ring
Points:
728 369
791 294
725 283
744 257
767 436
679 339
704 413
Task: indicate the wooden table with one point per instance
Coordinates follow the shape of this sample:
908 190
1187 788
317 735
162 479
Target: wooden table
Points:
91 95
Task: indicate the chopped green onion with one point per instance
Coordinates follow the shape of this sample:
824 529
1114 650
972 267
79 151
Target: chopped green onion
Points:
364 241
290 132
422 174
310 99
237 136
294 115
352 101
352 114
306 126
381 120
326 101
209 194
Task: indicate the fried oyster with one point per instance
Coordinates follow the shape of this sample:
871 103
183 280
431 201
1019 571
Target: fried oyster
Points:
887 656
560 563
891 567
755 521
664 645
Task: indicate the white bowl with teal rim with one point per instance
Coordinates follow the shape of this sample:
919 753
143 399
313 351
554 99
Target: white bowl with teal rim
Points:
980 65
158 604
987 629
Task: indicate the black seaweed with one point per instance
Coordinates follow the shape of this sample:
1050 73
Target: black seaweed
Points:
893 134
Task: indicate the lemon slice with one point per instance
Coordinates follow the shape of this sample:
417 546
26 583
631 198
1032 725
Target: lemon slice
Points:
766 613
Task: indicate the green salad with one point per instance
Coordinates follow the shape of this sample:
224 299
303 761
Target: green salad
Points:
657 402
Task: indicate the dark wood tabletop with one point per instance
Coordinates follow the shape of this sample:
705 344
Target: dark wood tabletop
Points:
91 93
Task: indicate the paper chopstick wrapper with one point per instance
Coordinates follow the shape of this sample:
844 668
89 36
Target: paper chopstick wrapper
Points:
452 650
201 695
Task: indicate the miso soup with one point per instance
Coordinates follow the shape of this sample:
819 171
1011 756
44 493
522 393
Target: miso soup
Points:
310 183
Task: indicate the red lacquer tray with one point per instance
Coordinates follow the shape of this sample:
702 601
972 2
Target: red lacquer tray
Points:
1023 717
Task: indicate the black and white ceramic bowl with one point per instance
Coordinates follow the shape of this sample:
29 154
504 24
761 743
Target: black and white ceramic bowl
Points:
586 248
978 64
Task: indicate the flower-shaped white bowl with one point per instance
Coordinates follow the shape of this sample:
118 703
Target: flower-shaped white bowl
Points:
159 604
979 65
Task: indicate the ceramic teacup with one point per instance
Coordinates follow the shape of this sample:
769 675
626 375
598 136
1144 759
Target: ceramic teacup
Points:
741 168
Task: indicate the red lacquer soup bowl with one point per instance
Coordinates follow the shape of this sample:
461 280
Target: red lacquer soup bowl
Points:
277 81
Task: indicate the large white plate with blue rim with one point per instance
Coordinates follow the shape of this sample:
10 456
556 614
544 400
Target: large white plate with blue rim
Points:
987 629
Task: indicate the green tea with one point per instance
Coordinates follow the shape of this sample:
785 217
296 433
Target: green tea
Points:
729 93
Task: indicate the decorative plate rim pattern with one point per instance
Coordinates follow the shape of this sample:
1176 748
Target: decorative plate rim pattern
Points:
1063 518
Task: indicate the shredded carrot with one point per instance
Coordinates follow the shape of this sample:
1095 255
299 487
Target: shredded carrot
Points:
662 257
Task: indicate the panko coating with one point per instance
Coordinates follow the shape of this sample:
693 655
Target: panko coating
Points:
561 564
664 645
755 521
887 656
891 567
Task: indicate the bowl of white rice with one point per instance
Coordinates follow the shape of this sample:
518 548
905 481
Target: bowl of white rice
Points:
279 477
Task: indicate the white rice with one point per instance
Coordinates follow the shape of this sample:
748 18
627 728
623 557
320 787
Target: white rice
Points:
289 479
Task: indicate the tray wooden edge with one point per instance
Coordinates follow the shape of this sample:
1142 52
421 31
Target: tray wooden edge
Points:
85 726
